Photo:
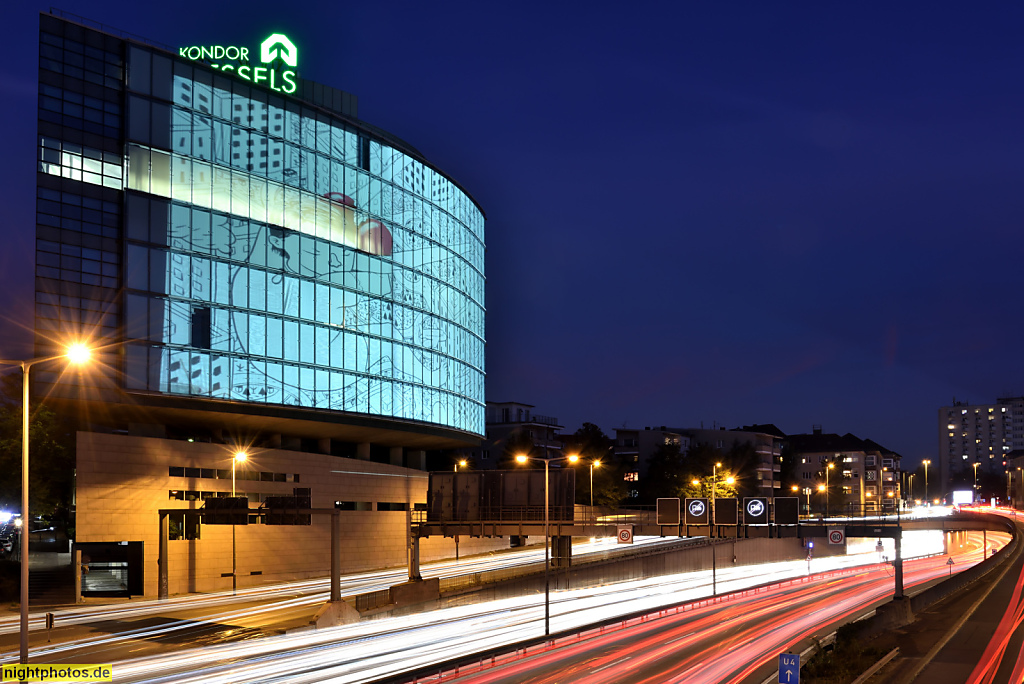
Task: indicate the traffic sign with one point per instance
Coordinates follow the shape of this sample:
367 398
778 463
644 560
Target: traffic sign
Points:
837 535
697 512
755 510
668 511
625 534
789 668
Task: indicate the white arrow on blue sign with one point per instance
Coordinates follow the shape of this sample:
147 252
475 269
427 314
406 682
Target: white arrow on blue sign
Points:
789 668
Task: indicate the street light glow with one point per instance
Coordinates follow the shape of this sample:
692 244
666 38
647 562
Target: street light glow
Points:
821 488
78 353
241 457
520 458
573 458
730 480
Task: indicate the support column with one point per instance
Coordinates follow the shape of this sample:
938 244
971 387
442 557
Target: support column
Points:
336 556
897 565
418 460
396 456
165 532
78 575
363 451
414 558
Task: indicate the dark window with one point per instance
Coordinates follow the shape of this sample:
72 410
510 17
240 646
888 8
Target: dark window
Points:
266 477
192 472
201 328
364 153
175 471
183 526
209 473
391 506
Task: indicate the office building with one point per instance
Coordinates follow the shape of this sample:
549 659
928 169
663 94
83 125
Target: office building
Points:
263 271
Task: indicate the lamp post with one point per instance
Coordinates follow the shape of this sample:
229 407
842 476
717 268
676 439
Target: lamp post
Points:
830 467
523 458
714 482
974 496
593 464
807 492
76 354
239 457
910 487
821 488
926 462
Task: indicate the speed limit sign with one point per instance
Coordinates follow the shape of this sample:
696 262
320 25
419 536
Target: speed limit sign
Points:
836 535
625 534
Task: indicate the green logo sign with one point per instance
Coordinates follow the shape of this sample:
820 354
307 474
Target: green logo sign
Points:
278 46
276 54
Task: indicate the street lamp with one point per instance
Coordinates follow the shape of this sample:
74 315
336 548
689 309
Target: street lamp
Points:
910 487
460 463
821 488
239 457
593 464
830 467
523 458
76 354
974 497
714 483
926 463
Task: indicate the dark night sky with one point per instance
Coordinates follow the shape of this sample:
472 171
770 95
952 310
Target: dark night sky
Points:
717 212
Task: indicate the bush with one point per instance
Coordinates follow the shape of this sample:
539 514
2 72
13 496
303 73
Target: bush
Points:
9 580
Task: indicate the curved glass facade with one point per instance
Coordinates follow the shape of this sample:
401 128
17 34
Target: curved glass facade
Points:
277 253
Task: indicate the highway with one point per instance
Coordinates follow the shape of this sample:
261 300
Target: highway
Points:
724 642
372 649
150 625
986 645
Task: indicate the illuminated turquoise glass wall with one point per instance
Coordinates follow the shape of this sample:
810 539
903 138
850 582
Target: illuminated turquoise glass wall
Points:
279 253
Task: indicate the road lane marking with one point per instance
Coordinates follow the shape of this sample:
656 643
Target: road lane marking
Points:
605 667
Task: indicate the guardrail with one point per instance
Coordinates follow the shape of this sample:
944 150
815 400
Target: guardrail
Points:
373 599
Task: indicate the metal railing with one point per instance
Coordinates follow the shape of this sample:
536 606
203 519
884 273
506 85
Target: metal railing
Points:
373 599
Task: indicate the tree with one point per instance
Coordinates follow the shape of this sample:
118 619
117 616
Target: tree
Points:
592 446
518 443
51 451
666 474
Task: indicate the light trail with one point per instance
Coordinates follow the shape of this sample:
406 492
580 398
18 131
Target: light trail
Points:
280 597
369 650
721 642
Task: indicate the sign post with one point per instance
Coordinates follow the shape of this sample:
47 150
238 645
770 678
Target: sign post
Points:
789 668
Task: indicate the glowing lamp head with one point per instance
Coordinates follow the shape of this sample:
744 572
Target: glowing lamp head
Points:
831 466
597 464
730 480
795 488
18 522
241 457
462 464
78 353
821 488
573 458
521 458
718 465
695 482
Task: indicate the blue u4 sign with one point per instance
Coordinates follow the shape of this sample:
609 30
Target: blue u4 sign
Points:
789 668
